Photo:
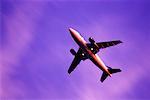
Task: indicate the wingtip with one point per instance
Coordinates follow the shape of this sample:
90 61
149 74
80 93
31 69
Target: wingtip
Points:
69 72
101 81
120 70
120 41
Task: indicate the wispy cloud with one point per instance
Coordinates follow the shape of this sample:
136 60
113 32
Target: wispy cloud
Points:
35 50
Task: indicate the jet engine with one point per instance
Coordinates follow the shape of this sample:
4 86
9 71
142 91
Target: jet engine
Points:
73 52
93 46
91 40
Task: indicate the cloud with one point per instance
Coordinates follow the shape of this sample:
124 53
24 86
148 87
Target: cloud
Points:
36 46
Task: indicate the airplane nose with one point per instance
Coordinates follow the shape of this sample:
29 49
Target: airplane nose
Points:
71 30
74 33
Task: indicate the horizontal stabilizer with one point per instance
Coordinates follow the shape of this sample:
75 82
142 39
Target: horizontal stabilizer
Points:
104 75
113 70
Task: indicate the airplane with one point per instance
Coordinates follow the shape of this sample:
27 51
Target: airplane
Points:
89 51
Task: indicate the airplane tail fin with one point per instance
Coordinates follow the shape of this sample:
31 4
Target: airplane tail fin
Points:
104 75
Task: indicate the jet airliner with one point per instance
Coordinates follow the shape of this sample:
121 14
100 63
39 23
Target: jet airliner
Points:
89 51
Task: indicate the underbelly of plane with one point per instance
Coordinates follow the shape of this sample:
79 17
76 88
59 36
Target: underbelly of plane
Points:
97 61
93 57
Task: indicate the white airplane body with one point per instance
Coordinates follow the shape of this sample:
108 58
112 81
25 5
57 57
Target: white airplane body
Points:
88 51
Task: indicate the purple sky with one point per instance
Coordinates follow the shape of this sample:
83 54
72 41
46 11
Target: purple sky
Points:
35 44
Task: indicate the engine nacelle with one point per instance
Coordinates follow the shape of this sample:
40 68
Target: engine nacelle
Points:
73 52
91 40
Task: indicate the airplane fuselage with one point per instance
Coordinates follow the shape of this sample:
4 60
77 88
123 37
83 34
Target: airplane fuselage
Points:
93 57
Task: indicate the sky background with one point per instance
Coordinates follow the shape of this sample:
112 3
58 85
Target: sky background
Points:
35 49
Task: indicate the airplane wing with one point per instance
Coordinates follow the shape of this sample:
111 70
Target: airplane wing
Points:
75 61
102 45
